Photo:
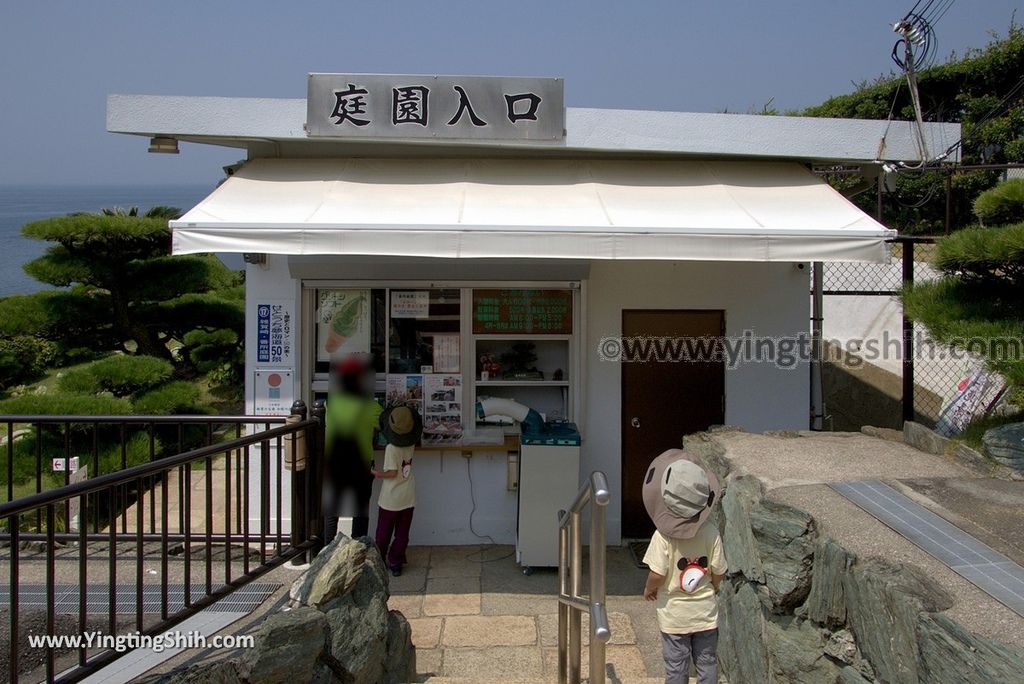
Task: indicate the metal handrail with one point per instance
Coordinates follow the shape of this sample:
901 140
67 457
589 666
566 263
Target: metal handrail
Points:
172 419
571 603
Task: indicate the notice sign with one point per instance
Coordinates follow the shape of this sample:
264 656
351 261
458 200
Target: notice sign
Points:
410 303
522 312
467 107
274 330
273 393
59 465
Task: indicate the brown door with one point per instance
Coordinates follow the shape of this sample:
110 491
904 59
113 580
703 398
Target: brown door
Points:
665 396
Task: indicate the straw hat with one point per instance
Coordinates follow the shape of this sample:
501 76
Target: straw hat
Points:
679 493
401 425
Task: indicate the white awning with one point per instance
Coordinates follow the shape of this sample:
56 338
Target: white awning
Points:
539 208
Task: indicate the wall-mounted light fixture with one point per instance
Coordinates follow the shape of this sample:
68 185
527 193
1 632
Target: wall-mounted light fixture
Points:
163 145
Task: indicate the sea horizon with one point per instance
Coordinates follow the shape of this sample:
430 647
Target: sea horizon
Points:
22 203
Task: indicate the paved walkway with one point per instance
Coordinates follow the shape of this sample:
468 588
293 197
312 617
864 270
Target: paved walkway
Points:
472 612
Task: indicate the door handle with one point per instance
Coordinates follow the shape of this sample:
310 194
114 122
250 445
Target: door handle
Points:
635 422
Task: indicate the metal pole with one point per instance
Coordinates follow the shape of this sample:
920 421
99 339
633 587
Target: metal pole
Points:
599 631
817 318
575 585
298 477
563 609
949 201
908 334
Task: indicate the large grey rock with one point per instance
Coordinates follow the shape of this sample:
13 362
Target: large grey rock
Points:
924 439
742 637
742 495
400 664
796 654
334 572
1005 444
949 653
883 605
288 647
785 538
826 602
850 675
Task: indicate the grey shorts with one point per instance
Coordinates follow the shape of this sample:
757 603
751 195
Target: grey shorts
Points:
700 647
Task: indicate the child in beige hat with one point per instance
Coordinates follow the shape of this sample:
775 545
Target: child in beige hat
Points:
686 564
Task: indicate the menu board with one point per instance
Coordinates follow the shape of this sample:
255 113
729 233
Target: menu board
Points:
522 312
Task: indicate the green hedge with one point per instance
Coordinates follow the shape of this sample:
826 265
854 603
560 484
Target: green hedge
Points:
120 375
1001 204
177 397
109 452
58 403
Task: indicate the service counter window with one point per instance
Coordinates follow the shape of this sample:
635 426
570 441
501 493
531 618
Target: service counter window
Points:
443 348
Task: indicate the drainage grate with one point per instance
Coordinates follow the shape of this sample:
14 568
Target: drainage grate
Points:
245 599
989 570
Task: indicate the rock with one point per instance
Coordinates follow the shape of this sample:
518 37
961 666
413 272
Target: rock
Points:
742 634
288 647
924 439
335 571
948 652
826 602
883 433
785 538
841 647
849 675
883 605
741 495
400 664
796 654
1005 444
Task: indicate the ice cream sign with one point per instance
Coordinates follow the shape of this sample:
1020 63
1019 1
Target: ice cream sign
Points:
343 318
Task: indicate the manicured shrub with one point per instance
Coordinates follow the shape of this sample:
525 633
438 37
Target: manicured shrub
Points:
24 358
60 403
1001 204
120 375
177 397
991 255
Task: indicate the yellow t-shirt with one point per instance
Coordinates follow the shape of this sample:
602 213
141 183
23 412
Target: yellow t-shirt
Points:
679 612
399 492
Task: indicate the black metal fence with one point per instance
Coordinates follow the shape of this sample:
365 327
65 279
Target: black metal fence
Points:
220 505
906 376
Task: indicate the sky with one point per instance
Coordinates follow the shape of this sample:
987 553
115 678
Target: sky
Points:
59 60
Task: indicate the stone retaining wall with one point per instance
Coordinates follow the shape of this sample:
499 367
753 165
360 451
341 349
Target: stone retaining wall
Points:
798 607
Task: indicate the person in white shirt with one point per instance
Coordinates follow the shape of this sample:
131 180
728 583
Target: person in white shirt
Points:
401 427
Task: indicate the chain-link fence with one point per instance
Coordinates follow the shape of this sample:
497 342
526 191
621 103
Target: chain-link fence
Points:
871 374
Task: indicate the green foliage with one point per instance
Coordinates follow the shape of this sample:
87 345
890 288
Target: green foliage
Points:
178 397
1001 204
994 256
52 446
60 404
965 90
24 358
119 375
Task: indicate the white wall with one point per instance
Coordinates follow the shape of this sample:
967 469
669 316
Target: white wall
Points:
270 282
767 298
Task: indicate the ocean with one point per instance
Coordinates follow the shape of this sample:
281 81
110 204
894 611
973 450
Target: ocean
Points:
22 204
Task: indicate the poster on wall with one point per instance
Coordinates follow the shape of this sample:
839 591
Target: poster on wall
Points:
522 312
275 328
442 408
272 393
405 390
446 353
343 323
410 303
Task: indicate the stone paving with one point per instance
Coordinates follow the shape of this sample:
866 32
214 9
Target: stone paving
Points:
476 617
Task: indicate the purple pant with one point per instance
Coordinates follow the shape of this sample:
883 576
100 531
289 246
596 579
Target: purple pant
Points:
397 524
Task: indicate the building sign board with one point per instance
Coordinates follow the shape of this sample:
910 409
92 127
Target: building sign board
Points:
452 107
273 393
274 332
522 312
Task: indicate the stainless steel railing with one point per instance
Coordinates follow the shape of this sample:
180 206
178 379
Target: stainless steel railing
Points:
571 602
